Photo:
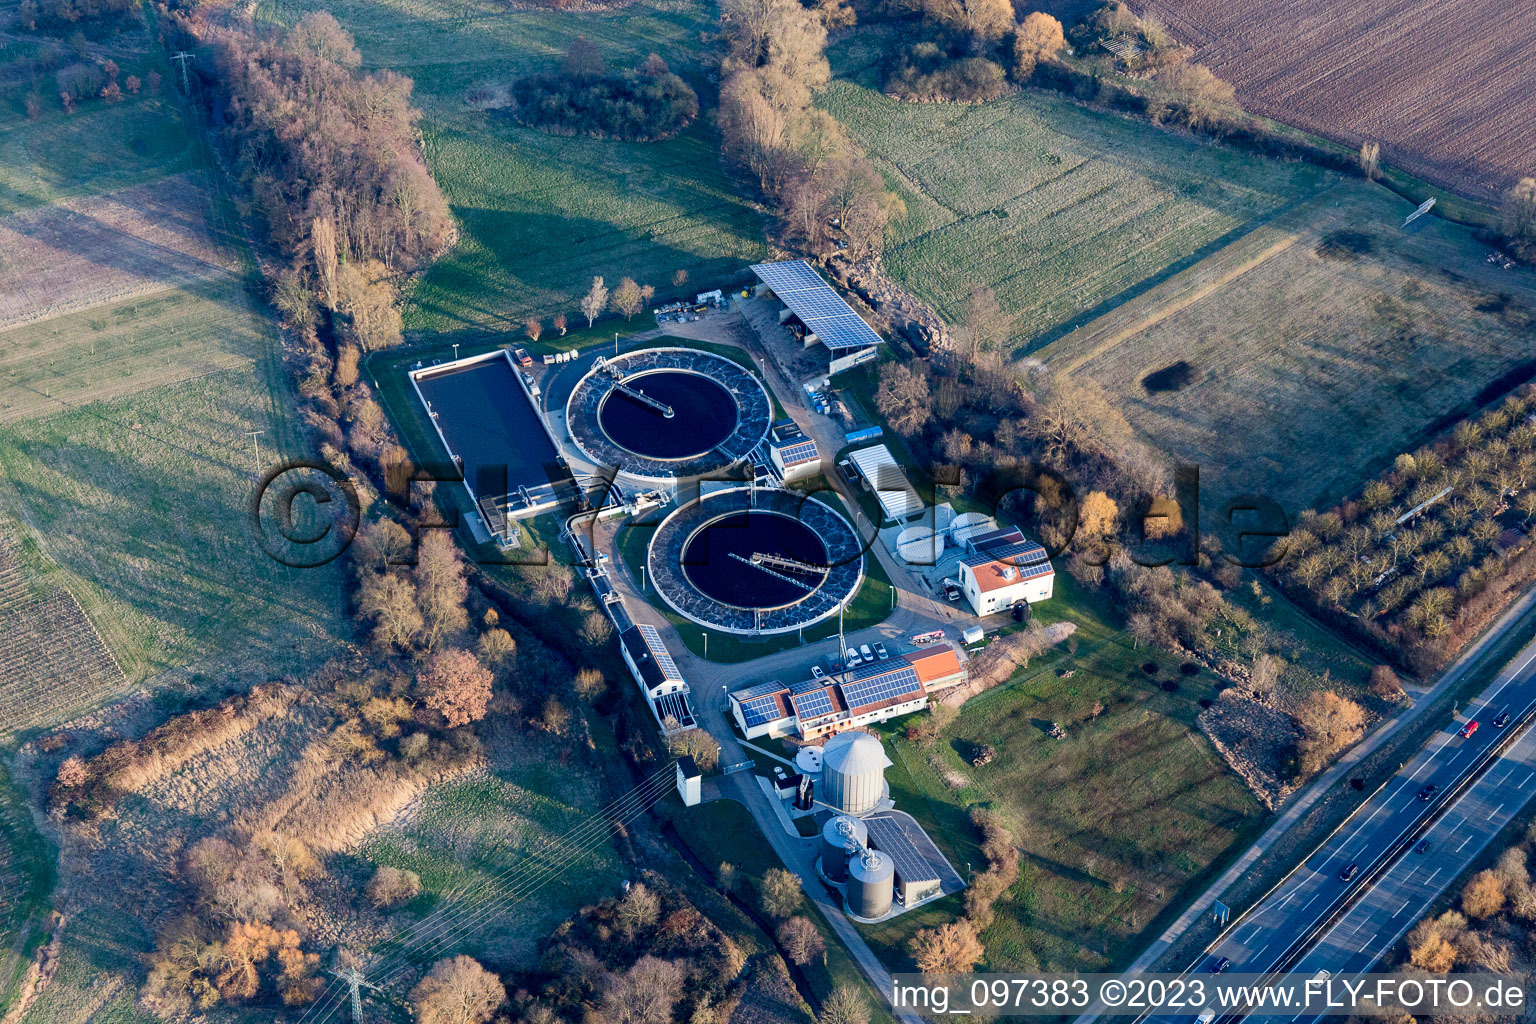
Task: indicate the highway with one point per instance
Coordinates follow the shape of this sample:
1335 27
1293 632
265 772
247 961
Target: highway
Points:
1306 923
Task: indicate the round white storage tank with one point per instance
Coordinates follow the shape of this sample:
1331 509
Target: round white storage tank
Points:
808 760
871 884
967 525
919 545
853 773
841 838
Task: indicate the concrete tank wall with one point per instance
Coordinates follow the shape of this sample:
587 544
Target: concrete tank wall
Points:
841 838
871 884
920 545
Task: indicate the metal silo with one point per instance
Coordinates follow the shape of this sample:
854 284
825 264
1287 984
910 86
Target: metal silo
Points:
871 884
853 773
841 838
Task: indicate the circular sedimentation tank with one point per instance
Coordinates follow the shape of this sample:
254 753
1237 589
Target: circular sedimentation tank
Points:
755 559
841 838
668 414
871 884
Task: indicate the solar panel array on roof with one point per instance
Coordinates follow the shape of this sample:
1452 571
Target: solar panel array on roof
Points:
1022 553
800 451
806 685
863 692
772 686
758 710
813 704
820 308
659 652
886 835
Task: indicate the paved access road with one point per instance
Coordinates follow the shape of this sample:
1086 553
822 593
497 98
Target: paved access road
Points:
1378 836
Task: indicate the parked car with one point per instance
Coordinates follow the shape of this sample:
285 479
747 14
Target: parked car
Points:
1468 729
1349 872
854 661
522 357
1220 964
817 673
1501 721
881 652
867 654
1428 791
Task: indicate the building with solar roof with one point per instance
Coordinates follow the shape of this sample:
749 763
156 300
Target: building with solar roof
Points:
917 870
873 692
819 314
658 675
1004 569
792 453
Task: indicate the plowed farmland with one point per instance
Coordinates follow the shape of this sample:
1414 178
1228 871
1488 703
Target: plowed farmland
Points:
1443 85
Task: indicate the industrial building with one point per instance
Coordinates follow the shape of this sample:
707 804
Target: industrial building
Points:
658 675
882 476
1004 569
881 858
794 456
815 312
873 692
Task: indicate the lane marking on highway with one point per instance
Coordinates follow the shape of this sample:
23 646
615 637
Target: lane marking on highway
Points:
1431 878
1252 934
1282 903
1464 842
1402 908
1367 942
1496 810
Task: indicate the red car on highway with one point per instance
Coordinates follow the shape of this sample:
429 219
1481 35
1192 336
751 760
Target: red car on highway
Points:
1468 729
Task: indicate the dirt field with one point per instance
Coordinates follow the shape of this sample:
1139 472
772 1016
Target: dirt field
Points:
105 249
1299 359
1443 85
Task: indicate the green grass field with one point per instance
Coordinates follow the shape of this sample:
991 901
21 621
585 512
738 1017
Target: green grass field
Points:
540 214
1057 208
466 835
1326 323
1116 823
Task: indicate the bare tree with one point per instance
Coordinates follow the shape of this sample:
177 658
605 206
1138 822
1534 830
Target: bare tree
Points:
322 241
800 940
902 398
1039 37
1370 160
844 1006
626 298
457 991
595 301
780 894
559 322
533 327
457 685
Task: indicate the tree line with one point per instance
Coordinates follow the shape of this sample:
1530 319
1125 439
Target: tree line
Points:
824 192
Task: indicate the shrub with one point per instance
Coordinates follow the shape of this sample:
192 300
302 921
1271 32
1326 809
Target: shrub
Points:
638 106
390 887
